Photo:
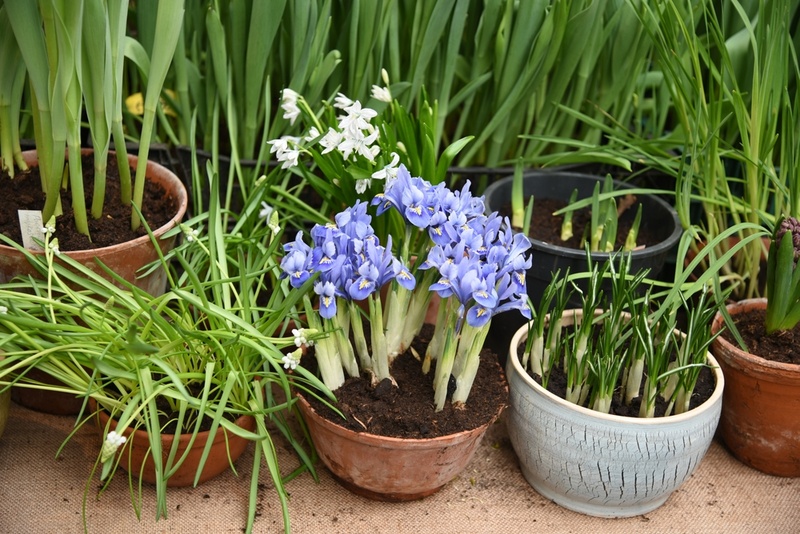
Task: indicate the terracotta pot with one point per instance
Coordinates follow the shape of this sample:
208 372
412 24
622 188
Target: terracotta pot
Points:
125 258
600 464
386 468
760 423
42 400
137 451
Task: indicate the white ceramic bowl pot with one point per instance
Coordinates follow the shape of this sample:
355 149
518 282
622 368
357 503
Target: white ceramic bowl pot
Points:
599 464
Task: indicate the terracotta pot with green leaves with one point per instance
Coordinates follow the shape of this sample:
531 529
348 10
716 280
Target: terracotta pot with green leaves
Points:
203 366
759 421
360 333
73 54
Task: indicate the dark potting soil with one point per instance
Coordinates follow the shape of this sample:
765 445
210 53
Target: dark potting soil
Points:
782 346
547 227
408 411
24 192
557 384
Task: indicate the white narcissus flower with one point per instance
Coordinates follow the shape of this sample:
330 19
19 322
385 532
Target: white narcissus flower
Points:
266 210
289 105
362 185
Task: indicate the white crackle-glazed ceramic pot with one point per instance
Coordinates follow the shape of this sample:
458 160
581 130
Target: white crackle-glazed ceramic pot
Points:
599 464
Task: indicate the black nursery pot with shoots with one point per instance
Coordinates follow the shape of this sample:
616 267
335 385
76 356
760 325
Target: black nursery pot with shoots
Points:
659 220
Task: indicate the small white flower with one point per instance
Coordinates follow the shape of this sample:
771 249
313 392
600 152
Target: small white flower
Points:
299 337
388 172
55 249
313 133
357 118
341 101
48 230
189 233
3 310
356 142
381 93
271 216
291 361
266 210
385 77
285 150
289 105
362 185
113 442
331 140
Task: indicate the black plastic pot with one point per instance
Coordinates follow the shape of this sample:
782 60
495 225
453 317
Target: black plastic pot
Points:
237 198
658 217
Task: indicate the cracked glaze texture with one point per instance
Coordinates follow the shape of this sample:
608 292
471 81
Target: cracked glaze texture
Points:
598 464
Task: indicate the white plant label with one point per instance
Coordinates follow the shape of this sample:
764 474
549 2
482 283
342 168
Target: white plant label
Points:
31 226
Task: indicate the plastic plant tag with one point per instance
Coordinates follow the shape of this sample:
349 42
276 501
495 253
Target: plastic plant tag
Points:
31 226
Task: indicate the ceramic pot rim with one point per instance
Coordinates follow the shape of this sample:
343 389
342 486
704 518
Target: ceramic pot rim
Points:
521 335
30 157
736 352
390 442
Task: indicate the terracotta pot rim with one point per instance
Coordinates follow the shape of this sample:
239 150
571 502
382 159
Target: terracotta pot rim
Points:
391 442
183 204
245 421
735 351
709 403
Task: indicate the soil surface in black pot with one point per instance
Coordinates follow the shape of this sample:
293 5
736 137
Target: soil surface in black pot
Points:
24 192
408 411
782 346
547 227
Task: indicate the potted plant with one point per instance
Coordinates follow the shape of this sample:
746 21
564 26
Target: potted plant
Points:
602 414
472 261
73 53
228 64
559 210
201 366
733 100
762 369
372 280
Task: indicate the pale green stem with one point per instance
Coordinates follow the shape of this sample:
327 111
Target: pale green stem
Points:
380 356
436 346
342 333
468 358
357 325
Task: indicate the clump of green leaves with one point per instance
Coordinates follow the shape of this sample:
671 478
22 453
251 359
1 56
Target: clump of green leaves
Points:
783 277
619 341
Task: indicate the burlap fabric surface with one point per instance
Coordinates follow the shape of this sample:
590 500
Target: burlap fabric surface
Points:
42 494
